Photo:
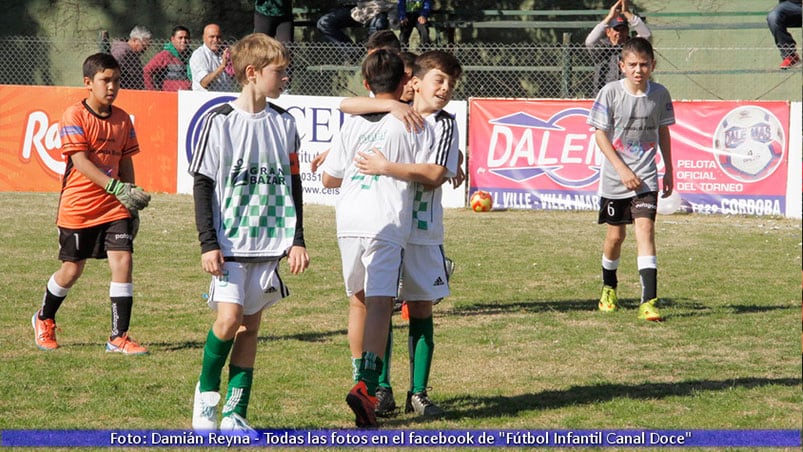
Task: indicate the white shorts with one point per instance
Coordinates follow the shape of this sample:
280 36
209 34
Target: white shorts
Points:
254 286
370 265
424 273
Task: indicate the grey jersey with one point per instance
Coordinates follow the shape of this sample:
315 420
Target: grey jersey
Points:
631 123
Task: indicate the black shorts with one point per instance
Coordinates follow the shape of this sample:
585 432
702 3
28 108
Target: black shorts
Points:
80 244
623 211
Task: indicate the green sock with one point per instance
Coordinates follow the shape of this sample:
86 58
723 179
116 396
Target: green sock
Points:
216 352
355 369
421 345
384 377
239 390
369 371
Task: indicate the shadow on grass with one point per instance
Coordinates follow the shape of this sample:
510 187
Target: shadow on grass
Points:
750 309
495 406
502 307
312 336
680 307
589 305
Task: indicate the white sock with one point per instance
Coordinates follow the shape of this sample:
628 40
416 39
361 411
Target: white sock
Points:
647 262
55 288
608 264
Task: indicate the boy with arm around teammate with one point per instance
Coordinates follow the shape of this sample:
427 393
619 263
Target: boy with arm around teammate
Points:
373 224
425 278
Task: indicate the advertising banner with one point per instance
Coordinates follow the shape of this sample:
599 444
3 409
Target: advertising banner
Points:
29 138
728 157
318 119
732 157
533 154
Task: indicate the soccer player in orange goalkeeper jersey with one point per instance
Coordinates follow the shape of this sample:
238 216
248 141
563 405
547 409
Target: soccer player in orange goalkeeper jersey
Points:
99 204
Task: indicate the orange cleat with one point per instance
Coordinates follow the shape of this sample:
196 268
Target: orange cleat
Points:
363 406
44 333
125 345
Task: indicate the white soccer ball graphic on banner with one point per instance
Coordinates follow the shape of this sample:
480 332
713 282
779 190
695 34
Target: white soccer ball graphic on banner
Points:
749 143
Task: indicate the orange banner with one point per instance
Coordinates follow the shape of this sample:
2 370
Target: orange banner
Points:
29 137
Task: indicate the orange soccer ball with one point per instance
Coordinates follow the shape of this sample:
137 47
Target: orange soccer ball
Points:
481 201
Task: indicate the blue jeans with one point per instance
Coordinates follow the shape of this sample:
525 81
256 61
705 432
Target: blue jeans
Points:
783 16
332 24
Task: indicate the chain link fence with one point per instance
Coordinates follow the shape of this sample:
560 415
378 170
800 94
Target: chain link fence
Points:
490 70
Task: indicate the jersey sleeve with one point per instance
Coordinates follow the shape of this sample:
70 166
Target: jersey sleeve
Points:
667 116
131 146
205 155
601 115
294 145
72 133
446 142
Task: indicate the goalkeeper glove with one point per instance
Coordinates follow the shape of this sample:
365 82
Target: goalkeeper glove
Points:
129 195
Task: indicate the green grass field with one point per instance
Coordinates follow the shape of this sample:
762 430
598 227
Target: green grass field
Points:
519 344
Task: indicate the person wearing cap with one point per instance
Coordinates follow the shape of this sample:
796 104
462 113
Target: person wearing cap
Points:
605 40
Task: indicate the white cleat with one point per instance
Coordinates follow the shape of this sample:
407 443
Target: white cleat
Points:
236 424
204 409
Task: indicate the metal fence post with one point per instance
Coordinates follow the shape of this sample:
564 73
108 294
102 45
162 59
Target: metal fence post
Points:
566 79
104 44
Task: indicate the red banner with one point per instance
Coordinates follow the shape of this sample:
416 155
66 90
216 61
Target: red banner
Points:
29 137
728 157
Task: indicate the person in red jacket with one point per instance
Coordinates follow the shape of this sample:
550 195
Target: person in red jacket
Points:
168 70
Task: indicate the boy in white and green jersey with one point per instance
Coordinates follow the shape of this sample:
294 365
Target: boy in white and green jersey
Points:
425 276
373 222
249 215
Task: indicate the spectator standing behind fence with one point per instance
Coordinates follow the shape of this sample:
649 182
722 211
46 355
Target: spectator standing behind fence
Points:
606 39
127 53
168 70
414 14
374 14
786 14
211 63
274 18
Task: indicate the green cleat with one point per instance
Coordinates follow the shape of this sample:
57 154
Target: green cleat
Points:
608 302
648 311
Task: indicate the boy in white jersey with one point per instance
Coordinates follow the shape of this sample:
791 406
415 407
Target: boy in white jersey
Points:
632 117
249 215
425 279
373 222
403 110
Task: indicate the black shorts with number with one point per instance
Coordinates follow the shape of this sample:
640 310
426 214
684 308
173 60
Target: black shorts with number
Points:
80 244
623 211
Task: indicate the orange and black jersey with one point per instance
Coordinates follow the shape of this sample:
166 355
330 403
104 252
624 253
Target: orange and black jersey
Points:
106 141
